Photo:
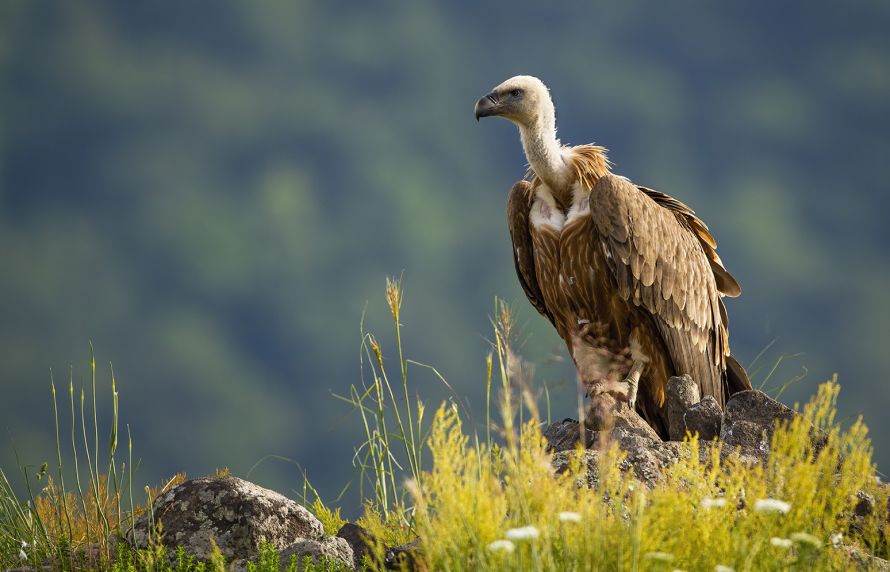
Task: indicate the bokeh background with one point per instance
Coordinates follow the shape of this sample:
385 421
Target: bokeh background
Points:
214 192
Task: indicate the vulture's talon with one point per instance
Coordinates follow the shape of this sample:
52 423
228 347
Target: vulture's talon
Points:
632 386
633 382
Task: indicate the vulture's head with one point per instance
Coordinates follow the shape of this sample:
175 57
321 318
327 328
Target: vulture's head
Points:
523 99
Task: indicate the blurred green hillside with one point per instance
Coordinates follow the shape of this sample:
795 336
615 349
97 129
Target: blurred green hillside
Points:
211 192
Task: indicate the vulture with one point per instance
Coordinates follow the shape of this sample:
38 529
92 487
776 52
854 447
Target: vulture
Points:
628 276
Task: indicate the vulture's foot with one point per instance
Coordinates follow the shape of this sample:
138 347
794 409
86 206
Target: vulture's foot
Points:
606 397
625 390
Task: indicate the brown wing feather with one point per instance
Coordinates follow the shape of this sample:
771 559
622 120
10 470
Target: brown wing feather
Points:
726 284
518 208
644 236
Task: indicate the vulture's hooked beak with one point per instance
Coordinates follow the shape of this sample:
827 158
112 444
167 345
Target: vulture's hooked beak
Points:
487 106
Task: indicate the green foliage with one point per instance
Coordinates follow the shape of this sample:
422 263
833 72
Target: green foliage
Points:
157 560
330 518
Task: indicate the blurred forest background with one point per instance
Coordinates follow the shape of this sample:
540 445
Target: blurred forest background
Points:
211 192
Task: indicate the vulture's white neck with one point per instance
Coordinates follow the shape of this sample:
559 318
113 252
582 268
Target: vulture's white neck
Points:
544 151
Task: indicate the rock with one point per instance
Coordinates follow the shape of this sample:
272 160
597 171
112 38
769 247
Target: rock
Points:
647 455
562 459
360 540
864 561
329 548
865 504
405 557
646 463
749 421
563 436
704 418
606 413
682 393
629 424
235 514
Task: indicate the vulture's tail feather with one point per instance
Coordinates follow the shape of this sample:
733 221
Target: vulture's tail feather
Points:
736 377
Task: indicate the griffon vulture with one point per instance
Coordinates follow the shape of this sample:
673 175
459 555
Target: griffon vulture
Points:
628 276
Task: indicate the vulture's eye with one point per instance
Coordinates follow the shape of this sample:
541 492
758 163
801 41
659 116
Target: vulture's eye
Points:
516 92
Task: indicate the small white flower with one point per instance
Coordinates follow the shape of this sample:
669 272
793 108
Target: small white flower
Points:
22 555
567 516
523 533
713 503
772 505
806 538
781 542
722 568
501 546
659 556
836 539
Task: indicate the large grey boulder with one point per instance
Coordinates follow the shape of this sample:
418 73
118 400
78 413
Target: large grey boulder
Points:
235 514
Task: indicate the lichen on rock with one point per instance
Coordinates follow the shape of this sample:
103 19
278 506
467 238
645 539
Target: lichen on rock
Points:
235 515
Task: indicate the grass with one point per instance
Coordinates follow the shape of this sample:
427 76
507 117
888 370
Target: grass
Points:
504 509
70 525
489 499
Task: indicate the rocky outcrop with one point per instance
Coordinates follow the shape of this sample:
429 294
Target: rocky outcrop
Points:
646 456
745 428
237 516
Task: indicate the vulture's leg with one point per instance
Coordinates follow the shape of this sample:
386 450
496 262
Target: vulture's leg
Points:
606 398
601 412
633 382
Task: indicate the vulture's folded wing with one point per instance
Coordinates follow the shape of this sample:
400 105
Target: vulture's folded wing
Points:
726 284
658 253
518 208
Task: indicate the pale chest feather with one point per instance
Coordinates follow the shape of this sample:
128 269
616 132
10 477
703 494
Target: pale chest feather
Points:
569 262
